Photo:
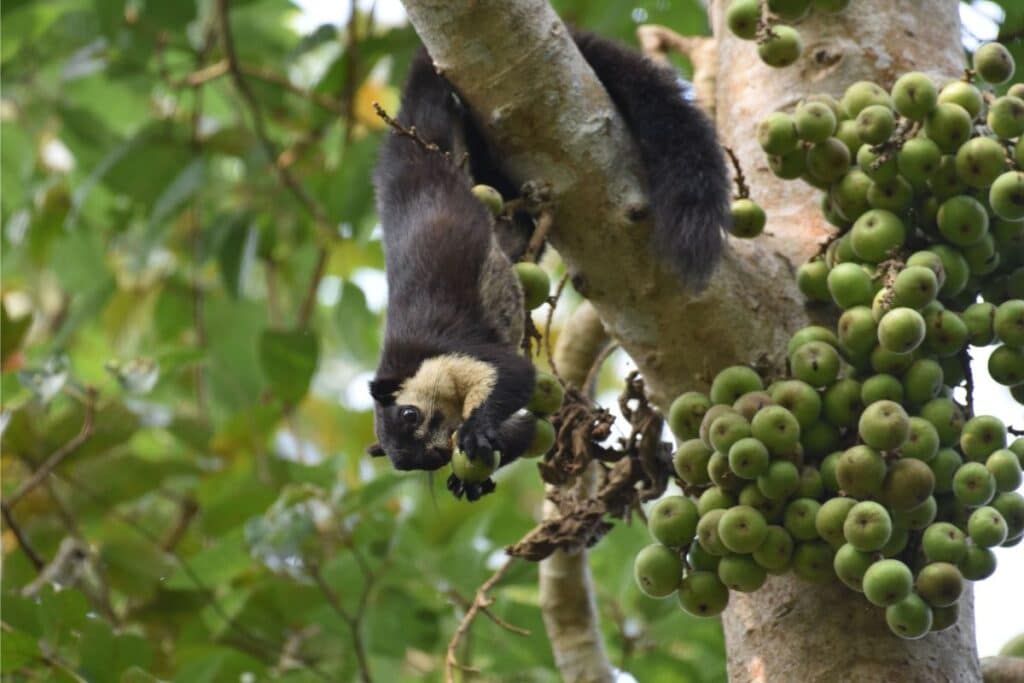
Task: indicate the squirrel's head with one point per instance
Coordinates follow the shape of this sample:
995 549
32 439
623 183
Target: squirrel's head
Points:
413 427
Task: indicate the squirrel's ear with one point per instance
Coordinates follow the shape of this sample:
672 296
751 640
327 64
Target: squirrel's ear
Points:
383 390
375 450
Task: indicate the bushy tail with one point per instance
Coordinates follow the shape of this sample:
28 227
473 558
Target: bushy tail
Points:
688 181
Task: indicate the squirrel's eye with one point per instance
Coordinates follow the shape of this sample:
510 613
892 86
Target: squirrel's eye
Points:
409 415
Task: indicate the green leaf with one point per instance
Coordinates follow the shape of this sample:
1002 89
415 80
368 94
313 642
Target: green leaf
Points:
84 308
17 649
176 359
47 220
173 311
98 658
170 15
11 333
151 162
121 105
215 566
214 664
23 25
17 159
136 675
357 325
89 137
134 565
21 613
234 376
62 613
347 192
110 14
171 200
83 262
236 255
288 360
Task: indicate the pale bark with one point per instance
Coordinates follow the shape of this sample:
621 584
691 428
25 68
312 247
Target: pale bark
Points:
1003 669
566 587
788 630
658 41
515 65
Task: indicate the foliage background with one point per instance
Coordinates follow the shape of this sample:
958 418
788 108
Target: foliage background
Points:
223 494
192 271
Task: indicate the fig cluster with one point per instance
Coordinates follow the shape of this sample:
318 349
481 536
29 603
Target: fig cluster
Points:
860 466
769 22
833 476
926 187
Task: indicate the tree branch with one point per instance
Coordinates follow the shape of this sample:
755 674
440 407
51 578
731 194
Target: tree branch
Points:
552 305
1002 669
259 126
566 588
58 456
23 542
499 55
481 601
702 51
223 67
353 621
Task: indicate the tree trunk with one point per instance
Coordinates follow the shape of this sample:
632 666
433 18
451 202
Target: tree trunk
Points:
787 631
566 587
516 66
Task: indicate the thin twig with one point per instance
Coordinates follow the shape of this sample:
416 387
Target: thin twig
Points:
309 300
351 70
369 577
552 303
764 25
259 127
465 604
196 232
595 369
657 41
480 603
23 542
742 189
273 302
101 596
351 620
189 509
59 455
222 68
540 234
409 132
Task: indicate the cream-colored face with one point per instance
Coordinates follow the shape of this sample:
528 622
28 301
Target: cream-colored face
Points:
415 426
446 390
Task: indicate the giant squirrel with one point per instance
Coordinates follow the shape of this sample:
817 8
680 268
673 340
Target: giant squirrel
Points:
450 362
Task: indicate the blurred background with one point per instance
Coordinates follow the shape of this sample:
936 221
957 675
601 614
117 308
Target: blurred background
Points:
192 292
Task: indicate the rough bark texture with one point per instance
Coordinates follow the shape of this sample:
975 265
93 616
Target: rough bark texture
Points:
514 63
566 587
788 631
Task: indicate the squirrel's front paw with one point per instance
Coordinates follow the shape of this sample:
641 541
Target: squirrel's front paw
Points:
473 490
478 441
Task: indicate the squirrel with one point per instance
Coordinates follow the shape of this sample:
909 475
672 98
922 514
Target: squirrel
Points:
450 362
